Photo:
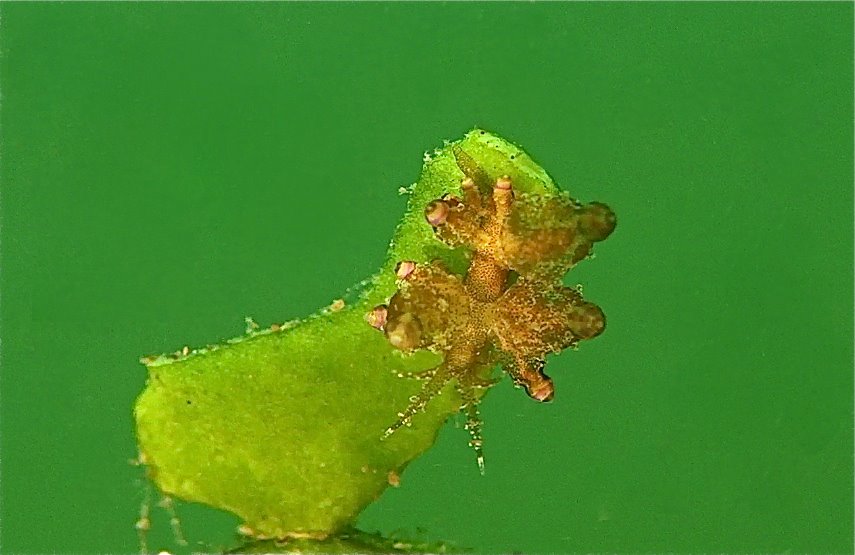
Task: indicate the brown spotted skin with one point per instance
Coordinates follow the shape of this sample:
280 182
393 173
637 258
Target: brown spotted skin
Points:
510 307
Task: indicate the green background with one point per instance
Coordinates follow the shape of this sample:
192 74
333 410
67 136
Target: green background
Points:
168 169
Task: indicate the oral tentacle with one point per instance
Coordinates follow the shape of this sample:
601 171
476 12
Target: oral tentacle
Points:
473 422
429 390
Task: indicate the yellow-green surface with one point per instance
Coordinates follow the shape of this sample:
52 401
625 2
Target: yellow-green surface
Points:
168 169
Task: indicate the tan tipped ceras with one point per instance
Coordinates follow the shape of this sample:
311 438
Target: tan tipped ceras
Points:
510 307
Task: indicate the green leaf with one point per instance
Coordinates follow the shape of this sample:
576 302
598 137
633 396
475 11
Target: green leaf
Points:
283 426
348 541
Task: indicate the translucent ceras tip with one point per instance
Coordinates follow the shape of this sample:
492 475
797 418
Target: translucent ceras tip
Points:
597 221
542 391
467 182
404 269
503 183
586 320
377 317
436 212
404 332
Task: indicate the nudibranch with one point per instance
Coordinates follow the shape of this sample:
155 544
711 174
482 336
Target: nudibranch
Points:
510 307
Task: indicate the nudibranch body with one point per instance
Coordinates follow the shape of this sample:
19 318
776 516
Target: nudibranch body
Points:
510 307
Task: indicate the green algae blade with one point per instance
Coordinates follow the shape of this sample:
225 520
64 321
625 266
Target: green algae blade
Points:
349 541
283 427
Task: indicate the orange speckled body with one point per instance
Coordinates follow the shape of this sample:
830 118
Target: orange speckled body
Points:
510 307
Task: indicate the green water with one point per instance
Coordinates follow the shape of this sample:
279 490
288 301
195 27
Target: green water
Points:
168 169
